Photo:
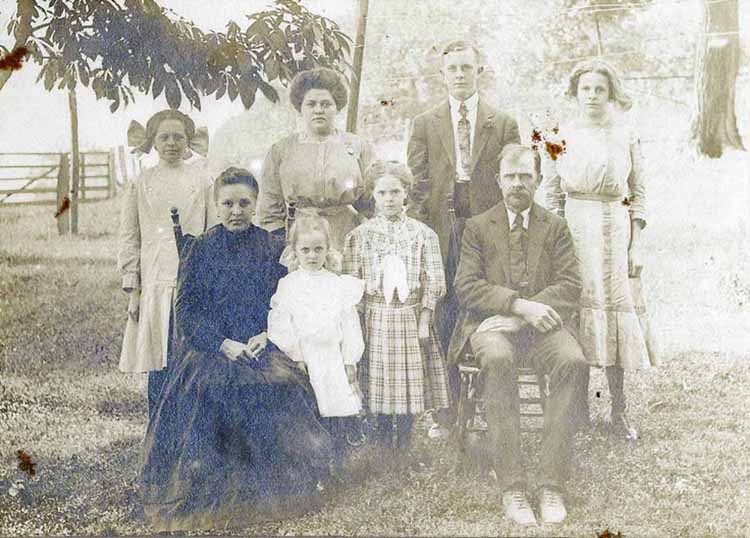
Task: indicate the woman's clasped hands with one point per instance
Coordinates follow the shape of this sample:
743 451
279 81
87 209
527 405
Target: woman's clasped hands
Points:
234 350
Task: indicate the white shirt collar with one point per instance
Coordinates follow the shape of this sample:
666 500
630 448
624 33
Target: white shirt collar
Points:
471 102
512 217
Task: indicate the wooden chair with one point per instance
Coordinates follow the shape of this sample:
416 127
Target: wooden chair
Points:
533 392
182 241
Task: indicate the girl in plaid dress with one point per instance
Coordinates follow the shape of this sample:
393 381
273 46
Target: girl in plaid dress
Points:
403 371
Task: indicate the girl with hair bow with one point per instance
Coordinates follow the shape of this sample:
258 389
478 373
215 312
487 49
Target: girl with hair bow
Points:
147 254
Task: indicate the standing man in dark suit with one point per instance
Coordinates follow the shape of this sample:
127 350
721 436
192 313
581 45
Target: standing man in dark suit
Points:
518 287
453 149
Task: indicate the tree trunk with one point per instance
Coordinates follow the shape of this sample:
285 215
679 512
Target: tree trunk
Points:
25 10
359 52
75 161
718 57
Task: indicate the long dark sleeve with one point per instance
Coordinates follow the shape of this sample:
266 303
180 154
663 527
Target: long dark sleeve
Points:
417 157
273 272
192 315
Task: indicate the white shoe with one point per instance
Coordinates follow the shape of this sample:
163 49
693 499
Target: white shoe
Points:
518 509
551 506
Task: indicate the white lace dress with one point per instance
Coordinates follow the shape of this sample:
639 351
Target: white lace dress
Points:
314 320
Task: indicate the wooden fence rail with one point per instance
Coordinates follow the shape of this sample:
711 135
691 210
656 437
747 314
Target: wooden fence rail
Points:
33 177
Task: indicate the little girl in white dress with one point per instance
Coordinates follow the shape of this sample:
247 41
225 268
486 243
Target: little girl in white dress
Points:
314 320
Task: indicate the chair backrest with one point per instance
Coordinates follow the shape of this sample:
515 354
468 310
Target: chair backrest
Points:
291 213
182 241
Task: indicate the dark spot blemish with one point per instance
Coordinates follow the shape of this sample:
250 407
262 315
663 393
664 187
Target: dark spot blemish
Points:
13 61
554 150
64 206
608 534
25 463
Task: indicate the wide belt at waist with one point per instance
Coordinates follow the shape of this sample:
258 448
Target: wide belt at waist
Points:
595 197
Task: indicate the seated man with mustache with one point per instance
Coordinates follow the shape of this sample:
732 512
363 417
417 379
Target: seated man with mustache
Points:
518 286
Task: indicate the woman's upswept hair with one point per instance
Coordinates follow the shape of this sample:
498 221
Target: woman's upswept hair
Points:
595 65
235 176
320 78
378 169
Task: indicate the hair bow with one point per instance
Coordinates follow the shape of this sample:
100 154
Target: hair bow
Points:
140 142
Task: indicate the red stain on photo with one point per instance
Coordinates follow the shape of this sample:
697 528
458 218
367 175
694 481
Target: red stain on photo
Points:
554 150
25 463
626 201
13 61
64 206
607 534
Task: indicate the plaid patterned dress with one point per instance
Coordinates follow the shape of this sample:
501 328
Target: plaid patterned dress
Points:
399 375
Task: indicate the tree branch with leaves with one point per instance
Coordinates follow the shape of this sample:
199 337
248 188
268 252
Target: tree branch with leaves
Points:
117 46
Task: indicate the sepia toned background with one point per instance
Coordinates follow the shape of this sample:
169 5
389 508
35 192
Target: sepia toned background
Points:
63 401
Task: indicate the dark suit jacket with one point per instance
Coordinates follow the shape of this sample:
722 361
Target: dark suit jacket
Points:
483 278
431 155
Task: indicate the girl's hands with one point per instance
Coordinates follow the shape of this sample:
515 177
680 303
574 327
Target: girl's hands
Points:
635 261
351 372
423 326
134 304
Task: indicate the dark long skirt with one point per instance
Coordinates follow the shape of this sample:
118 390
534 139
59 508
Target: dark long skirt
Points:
232 443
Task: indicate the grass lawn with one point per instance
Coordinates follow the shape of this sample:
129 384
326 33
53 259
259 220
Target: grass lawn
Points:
63 401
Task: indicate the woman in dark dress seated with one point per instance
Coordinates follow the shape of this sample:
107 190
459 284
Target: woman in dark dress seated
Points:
235 436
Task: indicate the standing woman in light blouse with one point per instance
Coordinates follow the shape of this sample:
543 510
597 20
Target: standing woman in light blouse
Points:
147 254
320 169
601 173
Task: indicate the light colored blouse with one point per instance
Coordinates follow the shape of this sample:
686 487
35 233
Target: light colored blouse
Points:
147 252
602 160
321 174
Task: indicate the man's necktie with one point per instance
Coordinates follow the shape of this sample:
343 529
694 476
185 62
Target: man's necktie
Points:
461 198
518 252
464 139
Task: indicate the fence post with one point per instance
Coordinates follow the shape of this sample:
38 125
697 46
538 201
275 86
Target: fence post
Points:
111 173
63 201
75 168
82 186
123 166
